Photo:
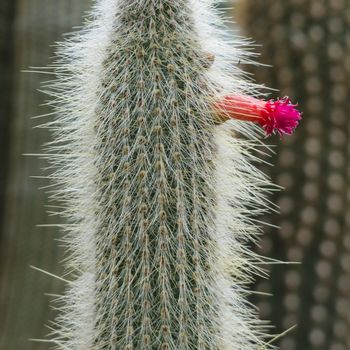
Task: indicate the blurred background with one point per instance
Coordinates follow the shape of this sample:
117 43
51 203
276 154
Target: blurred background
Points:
307 45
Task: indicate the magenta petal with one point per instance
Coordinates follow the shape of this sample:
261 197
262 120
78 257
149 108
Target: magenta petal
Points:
280 116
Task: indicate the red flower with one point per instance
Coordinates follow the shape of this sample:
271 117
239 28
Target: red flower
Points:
278 116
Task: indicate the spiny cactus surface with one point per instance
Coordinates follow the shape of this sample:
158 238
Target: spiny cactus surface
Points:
158 197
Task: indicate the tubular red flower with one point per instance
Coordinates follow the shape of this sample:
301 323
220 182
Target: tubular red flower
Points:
280 116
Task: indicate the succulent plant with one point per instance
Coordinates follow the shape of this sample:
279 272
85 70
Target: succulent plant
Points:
159 196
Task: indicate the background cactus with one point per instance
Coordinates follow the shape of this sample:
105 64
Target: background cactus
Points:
160 201
307 43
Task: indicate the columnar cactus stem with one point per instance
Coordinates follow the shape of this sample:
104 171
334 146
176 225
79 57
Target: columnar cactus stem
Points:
160 198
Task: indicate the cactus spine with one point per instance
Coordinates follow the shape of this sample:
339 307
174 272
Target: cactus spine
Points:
158 197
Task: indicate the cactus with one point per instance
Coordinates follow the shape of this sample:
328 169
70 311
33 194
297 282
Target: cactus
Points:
159 197
307 42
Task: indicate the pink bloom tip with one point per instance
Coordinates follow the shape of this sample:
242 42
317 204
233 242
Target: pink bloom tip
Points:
280 116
